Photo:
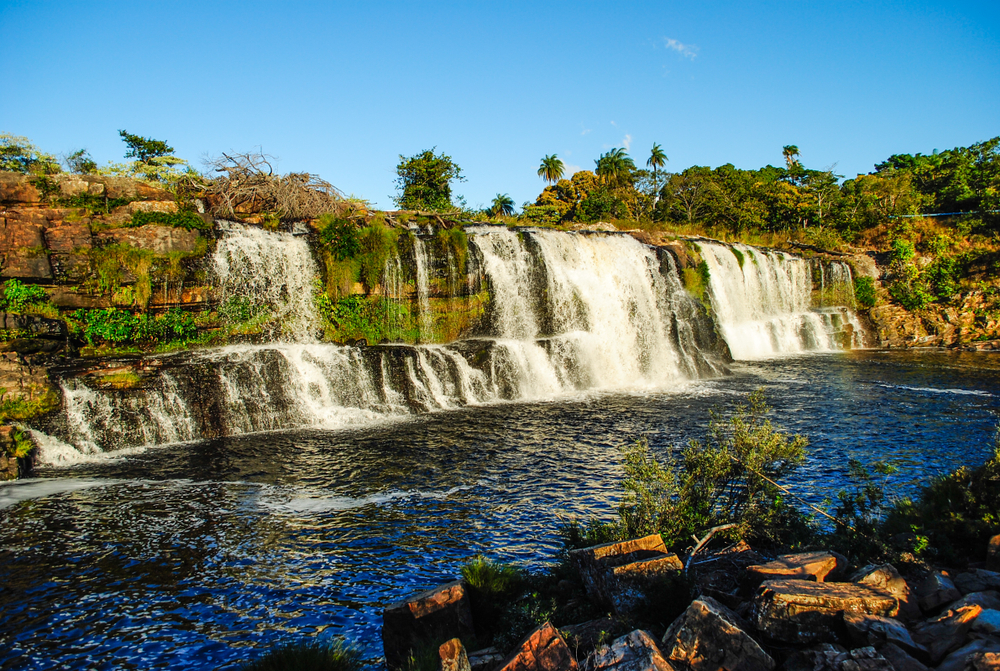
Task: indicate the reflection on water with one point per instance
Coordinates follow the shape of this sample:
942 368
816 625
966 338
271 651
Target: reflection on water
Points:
188 556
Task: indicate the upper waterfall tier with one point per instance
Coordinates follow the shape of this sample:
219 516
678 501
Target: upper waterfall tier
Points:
764 302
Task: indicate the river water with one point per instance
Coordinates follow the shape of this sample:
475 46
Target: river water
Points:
200 555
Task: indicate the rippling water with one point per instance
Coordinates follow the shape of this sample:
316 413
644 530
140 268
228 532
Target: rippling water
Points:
202 555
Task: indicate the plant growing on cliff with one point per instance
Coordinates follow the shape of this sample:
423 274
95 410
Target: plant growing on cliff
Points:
20 297
424 181
17 154
864 291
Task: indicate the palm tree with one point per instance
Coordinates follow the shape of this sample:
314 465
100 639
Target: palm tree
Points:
657 159
551 169
791 154
503 205
615 166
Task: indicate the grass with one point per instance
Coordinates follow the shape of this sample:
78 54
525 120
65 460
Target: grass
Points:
307 656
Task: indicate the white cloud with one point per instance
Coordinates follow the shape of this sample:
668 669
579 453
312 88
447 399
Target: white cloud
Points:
627 142
569 169
614 124
587 130
689 51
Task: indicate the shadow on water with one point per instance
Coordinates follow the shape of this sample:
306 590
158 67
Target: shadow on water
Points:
189 556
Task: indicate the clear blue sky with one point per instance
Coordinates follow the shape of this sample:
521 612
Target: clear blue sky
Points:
343 88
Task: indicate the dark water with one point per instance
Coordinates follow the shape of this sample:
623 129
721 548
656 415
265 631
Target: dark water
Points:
202 555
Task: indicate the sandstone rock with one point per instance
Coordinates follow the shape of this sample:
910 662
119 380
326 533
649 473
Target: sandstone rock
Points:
68 238
66 298
977 580
120 187
900 659
885 577
875 630
26 264
543 650
983 661
425 621
452 656
804 612
865 659
946 632
815 566
17 188
155 238
988 623
616 574
18 235
993 554
71 185
166 206
95 188
936 590
485 659
989 599
961 658
708 637
150 192
636 651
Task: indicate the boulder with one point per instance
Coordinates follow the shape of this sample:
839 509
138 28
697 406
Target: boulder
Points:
17 188
452 656
886 578
993 554
17 235
987 623
709 637
425 621
830 658
946 632
936 590
816 566
485 659
120 187
989 599
900 659
983 661
71 185
636 651
961 658
616 575
150 192
977 580
805 612
864 630
543 650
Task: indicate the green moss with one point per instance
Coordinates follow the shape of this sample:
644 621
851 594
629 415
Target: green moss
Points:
739 256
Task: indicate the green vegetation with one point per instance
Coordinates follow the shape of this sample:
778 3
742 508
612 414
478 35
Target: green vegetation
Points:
490 586
17 154
308 656
373 319
118 327
22 409
424 181
864 291
503 206
185 219
551 169
18 297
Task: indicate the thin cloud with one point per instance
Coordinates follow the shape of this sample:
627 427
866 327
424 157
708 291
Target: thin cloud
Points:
614 124
587 130
688 51
627 142
569 169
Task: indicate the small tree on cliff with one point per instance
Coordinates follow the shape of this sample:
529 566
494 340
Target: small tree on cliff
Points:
154 160
424 181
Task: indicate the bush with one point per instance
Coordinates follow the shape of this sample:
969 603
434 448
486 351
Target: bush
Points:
864 291
308 656
184 219
19 297
339 237
861 511
491 587
121 327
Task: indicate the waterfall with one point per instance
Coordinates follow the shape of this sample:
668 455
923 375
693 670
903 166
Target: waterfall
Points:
272 269
421 263
762 300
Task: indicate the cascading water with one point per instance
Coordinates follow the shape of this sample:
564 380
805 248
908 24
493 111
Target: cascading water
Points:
762 300
567 312
268 269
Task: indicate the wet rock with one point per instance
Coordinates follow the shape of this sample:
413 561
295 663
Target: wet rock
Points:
708 636
993 554
636 651
543 650
485 659
865 659
875 630
425 621
900 659
886 578
989 599
988 623
946 632
816 566
616 575
977 580
804 612
452 656
582 638
983 661
961 659
936 590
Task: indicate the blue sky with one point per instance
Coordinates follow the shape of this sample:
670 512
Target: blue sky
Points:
342 89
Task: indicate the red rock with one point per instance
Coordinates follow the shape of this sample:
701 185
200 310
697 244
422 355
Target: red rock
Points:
946 632
543 650
887 578
424 622
166 206
17 188
68 238
616 575
815 566
155 238
983 661
452 656
804 612
636 651
708 637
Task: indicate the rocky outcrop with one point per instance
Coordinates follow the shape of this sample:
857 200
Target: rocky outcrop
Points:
452 656
636 651
936 590
426 620
885 577
816 566
542 650
993 554
708 636
956 324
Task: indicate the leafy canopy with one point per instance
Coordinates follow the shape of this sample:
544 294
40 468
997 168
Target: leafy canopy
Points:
144 149
17 154
424 181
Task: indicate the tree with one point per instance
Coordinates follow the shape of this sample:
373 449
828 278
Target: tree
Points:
615 167
503 205
657 159
551 169
17 154
81 162
424 181
791 154
144 149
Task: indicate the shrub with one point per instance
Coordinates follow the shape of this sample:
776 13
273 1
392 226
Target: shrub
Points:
864 291
184 219
861 511
339 237
308 656
121 326
491 587
18 297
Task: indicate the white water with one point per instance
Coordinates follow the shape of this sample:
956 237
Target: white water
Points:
763 305
422 261
269 268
